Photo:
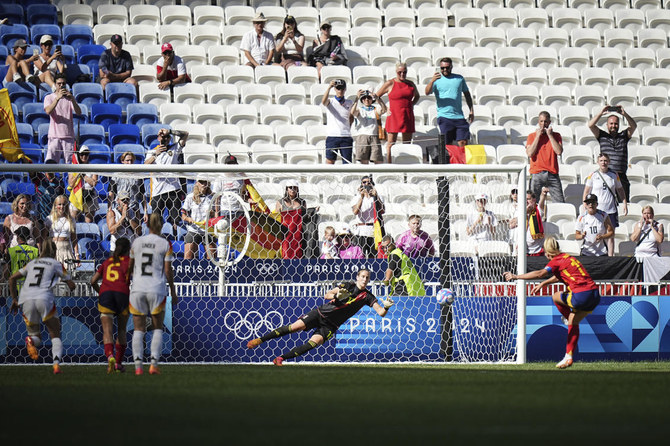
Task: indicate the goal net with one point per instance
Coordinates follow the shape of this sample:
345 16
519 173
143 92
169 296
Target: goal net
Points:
249 256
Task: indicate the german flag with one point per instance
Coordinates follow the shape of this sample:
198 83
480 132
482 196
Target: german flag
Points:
378 226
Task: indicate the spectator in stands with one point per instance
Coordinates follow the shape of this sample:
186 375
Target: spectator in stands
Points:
63 232
116 64
534 226
289 44
338 120
258 45
118 221
292 221
366 205
19 66
543 147
134 188
510 212
60 106
366 128
165 191
480 223
48 65
170 69
232 184
400 273
403 96
22 253
197 208
19 217
448 89
328 247
415 242
594 227
346 249
90 193
327 49
648 234
607 186
47 186
614 142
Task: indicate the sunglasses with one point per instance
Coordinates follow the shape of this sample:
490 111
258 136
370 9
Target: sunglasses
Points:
167 53
48 44
514 191
402 72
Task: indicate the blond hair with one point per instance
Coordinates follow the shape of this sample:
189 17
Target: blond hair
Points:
551 247
54 213
400 65
15 203
48 249
156 223
328 229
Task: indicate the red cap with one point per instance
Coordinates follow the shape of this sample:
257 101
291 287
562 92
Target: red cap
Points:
166 47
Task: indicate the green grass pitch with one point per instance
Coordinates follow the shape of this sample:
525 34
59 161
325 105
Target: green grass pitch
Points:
621 403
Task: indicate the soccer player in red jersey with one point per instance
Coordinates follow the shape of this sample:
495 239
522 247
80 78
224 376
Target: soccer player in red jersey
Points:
579 301
113 301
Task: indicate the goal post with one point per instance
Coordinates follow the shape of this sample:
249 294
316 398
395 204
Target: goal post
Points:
262 266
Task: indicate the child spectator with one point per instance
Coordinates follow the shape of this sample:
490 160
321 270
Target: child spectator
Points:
328 247
366 133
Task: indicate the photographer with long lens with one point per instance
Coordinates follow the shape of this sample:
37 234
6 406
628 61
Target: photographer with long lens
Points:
364 206
165 191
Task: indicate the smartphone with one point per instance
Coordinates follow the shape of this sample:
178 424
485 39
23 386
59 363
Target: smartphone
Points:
36 52
58 48
616 109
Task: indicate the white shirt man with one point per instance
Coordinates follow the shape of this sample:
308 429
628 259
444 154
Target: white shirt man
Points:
258 45
480 224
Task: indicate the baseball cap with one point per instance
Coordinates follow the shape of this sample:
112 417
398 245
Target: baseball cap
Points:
166 47
591 197
367 94
20 43
291 183
482 196
46 38
230 159
123 196
116 39
84 149
325 25
344 230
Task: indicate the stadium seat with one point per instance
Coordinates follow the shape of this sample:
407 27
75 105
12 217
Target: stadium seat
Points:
257 134
663 116
106 114
77 35
460 38
333 72
87 93
268 154
545 58
472 18
307 115
34 115
208 15
508 115
222 94
608 58
303 75
256 95
150 131
176 15
208 114
399 17
205 36
136 149
121 94
367 37
432 17
222 134
175 114
652 38
304 154
502 18
103 32
556 96
560 213
657 18
430 38
533 18
124 134
316 134
275 115
518 134
238 75
643 194
41 14
521 38
199 154
599 19
13 13
566 18
189 94
141 36
91 134
513 58
112 14
502 76
482 58
290 135
10 33
241 114
25 132
655 136
573 116
511 154
532 76
653 96
491 135
490 95
567 77
140 114
366 16
100 154
144 15
622 95
151 94
575 58
398 38
21 93
585 38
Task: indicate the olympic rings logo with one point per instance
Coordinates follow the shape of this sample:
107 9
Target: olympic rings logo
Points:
250 325
267 268
434 267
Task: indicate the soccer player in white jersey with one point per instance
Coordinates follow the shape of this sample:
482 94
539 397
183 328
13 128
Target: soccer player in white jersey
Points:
594 227
151 266
36 300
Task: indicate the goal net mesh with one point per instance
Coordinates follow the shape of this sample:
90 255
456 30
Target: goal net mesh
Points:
249 256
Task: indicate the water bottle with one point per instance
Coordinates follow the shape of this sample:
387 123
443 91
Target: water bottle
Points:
334 53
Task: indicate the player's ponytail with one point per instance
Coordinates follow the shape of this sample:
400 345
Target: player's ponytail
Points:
156 223
122 249
48 249
551 247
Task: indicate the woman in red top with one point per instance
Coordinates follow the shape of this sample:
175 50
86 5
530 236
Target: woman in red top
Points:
581 298
403 95
114 300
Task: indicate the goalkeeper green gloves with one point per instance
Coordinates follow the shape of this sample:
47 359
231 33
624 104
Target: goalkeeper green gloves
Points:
388 303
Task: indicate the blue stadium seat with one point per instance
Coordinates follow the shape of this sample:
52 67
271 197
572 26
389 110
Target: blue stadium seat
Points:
100 154
21 93
150 132
178 249
90 55
77 35
5 208
14 13
87 93
102 187
18 188
44 90
26 132
34 114
124 134
140 114
43 134
69 54
106 114
91 134
88 230
75 71
4 52
136 149
10 33
104 230
3 72
34 152
82 118
98 249
37 31
121 94
42 15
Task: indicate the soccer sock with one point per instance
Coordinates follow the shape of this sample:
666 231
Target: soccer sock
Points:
301 350
37 341
156 346
277 332
565 311
57 349
573 336
120 352
109 350
138 347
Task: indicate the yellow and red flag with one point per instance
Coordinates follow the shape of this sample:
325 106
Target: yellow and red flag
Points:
10 147
77 189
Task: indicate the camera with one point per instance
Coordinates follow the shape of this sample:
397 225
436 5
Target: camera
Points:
367 187
165 140
340 84
616 109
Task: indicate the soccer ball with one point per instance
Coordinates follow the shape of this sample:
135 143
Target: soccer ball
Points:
445 297
222 225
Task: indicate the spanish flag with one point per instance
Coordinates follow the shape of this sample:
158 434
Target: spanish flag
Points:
77 190
10 147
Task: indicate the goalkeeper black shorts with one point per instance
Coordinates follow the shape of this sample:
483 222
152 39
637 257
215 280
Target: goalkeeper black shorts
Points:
321 326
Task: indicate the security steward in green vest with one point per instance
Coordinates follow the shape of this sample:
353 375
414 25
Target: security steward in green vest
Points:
22 253
401 274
